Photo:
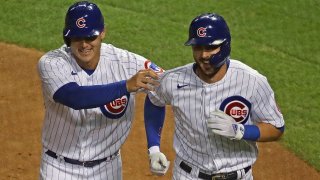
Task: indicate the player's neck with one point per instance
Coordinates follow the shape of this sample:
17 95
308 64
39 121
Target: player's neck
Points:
89 65
212 78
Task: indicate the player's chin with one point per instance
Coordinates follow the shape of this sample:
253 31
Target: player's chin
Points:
210 74
84 58
85 53
207 69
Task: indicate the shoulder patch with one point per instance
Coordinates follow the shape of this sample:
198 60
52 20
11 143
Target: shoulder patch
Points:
150 65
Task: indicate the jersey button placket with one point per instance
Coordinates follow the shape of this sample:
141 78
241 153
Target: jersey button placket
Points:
206 100
208 107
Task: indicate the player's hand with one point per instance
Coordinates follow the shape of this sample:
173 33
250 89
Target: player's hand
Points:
144 79
222 124
159 164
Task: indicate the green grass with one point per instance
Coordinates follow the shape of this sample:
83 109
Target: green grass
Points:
278 38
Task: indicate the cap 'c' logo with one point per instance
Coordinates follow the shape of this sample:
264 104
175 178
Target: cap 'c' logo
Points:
236 107
202 32
81 22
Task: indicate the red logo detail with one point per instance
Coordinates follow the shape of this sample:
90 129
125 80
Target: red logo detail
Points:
150 65
81 22
238 110
117 106
202 32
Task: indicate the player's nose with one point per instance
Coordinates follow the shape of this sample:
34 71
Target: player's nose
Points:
84 43
205 54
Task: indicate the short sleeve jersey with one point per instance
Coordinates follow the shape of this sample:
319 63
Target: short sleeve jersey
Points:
243 93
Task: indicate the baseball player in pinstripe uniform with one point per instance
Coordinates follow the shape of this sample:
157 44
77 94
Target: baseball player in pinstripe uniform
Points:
221 106
88 91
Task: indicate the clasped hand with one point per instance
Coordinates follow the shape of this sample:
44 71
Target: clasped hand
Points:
222 124
143 79
159 164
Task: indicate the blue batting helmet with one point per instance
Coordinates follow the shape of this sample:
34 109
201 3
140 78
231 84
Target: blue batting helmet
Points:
83 19
211 29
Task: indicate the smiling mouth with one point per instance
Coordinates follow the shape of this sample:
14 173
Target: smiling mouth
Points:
85 51
206 64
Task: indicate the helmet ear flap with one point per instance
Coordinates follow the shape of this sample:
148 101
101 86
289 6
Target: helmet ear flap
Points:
67 41
222 56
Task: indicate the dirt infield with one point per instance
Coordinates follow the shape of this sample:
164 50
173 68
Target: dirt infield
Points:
21 114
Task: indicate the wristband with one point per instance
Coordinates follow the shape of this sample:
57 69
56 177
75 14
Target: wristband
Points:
251 132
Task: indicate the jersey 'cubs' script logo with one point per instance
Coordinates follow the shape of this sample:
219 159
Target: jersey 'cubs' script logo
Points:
150 65
202 32
116 108
81 22
236 107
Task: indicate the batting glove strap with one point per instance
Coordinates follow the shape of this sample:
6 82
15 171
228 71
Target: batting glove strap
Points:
238 131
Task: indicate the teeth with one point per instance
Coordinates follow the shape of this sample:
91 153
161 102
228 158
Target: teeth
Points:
85 51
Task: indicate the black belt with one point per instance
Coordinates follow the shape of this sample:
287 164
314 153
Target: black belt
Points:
221 176
82 163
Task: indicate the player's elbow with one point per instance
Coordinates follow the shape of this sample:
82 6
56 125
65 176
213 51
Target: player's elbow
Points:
74 106
277 136
71 104
269 132
68 95
279 133
75 103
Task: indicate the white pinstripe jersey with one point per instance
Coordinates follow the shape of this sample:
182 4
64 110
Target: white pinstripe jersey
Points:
243 93
87 134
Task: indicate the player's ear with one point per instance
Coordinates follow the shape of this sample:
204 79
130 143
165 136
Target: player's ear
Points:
103 33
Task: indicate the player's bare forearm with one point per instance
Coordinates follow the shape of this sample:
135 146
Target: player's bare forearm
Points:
143 79
268 132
